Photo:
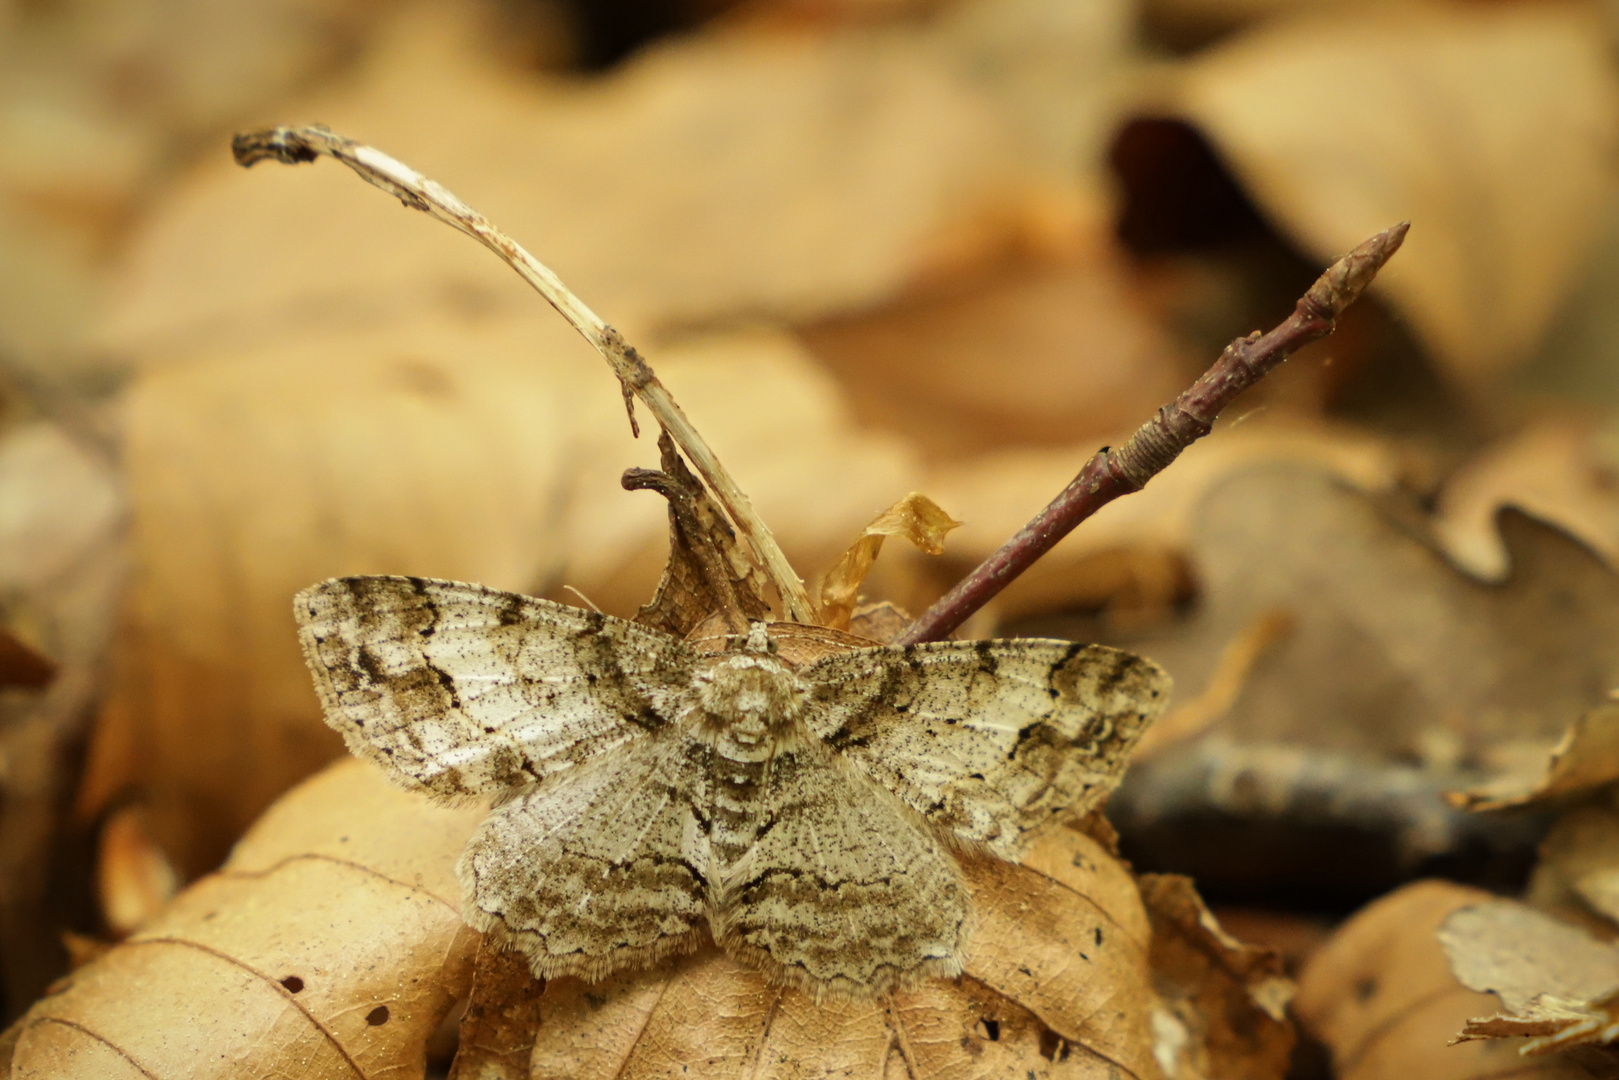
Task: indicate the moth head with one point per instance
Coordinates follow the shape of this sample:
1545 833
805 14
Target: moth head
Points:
749 690
758 642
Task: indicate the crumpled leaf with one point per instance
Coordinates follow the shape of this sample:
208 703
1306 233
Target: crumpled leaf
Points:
1556 982
1224 1002
1586 758
708 571
1557 472
1491 127
330 944
134 878
1380 995
432 448
915 517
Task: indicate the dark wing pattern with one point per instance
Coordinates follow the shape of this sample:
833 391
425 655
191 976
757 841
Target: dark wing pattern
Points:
989 739
460 690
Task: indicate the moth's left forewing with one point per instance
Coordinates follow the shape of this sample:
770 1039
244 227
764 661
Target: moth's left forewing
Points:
463 691
989 739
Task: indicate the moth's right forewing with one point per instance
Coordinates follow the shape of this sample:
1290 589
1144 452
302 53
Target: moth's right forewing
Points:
463 691
989 739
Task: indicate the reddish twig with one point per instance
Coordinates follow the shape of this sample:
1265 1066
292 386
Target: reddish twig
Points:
1159 441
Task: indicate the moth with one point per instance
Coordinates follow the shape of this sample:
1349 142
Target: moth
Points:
648 794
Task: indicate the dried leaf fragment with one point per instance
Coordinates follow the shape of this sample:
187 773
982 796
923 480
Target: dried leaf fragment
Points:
1584 759
1581 855
1554 472
1381 996
708 571
502 1017
1224 1004
330 944
1557 982
916 517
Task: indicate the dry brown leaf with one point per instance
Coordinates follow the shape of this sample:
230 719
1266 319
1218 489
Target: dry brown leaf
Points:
1390 642
1557 472
1585 759
1557 983
1489 126
1190 718
915 517
1380 995
1580 857
61 570
1030 351
80 151
330 944
1227 999
435 448
134 879
710 176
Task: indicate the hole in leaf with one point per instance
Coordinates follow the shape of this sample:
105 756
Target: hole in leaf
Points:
1053 1047
990 1029
377 1016
293 984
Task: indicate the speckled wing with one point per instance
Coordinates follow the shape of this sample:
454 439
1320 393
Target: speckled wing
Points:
460 690
988 739
598 868
844 891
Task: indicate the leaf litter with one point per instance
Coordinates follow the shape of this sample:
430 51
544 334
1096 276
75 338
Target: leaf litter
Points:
1141 566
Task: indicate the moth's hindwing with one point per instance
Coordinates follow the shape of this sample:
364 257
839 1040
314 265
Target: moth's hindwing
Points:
844 890
600 868
461 690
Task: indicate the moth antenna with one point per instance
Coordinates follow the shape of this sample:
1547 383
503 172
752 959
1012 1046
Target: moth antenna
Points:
591 604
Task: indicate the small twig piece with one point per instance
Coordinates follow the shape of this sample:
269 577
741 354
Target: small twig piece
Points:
1158 442
294 145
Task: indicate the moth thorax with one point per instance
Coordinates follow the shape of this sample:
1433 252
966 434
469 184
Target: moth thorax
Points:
751 697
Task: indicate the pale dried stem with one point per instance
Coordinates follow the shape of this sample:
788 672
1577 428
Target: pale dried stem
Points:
293 145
